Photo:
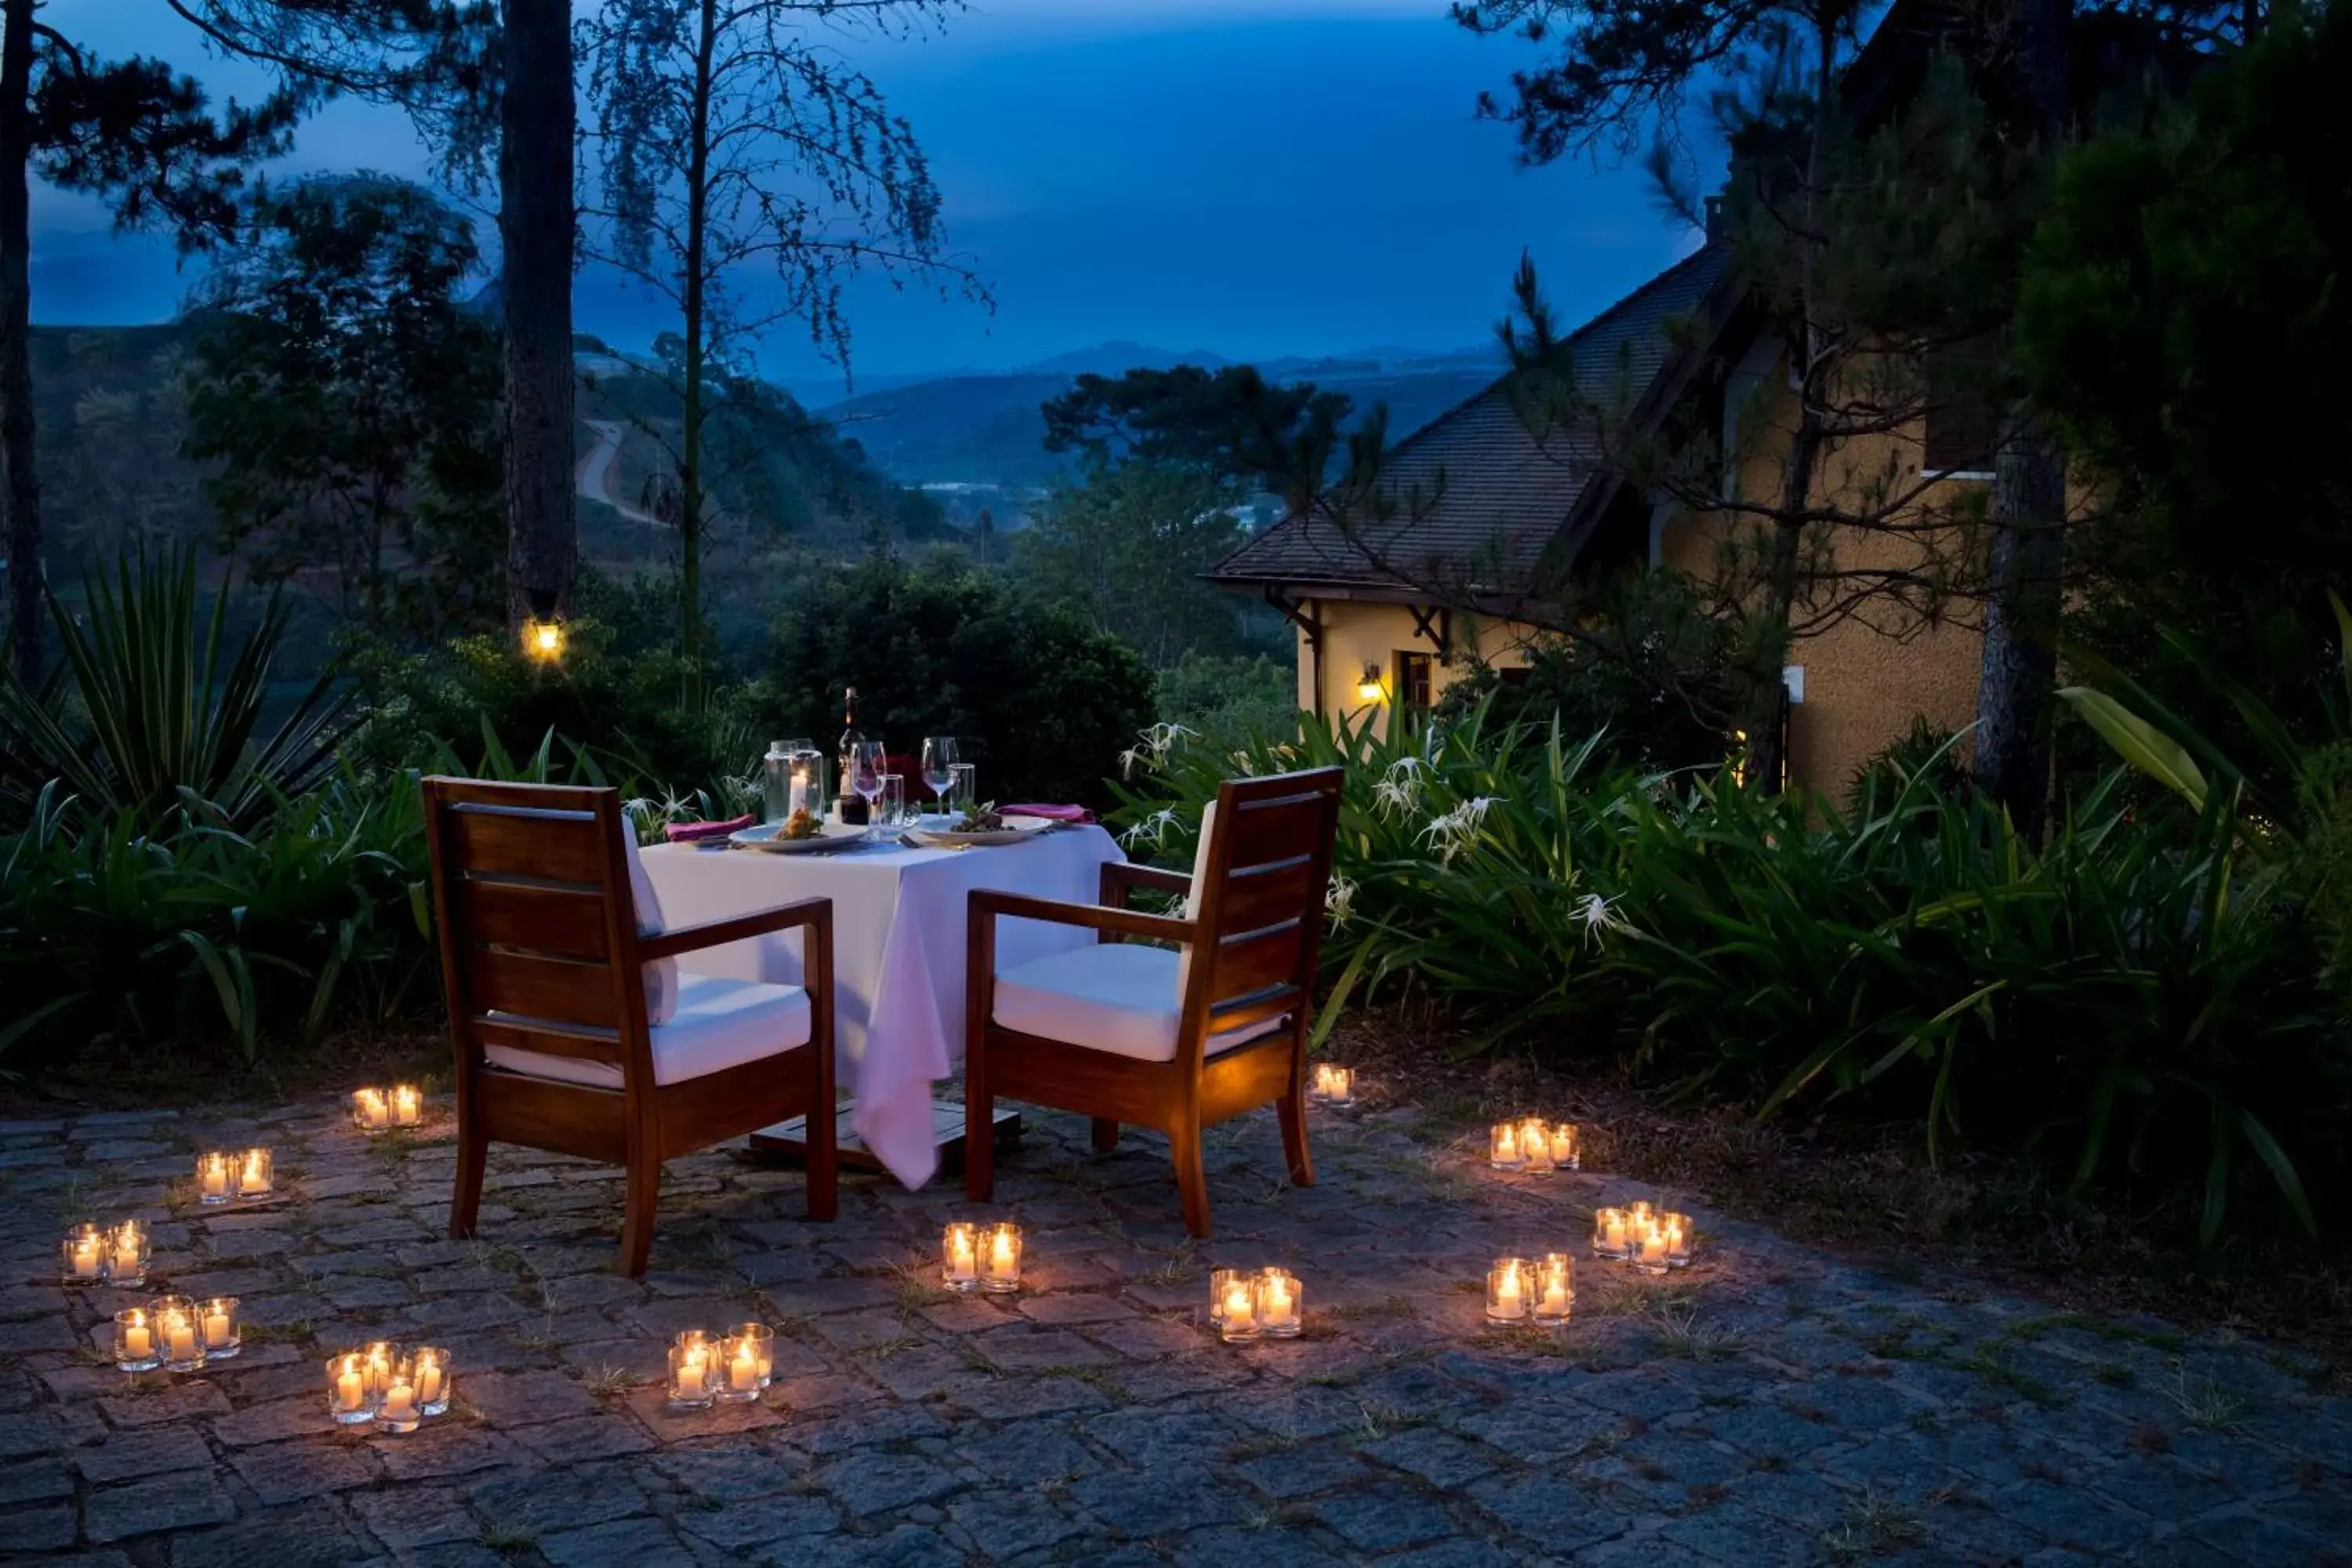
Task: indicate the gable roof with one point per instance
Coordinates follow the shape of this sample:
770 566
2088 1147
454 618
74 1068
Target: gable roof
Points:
1491 497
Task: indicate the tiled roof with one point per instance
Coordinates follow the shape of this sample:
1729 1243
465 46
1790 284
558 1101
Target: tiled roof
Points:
1503 494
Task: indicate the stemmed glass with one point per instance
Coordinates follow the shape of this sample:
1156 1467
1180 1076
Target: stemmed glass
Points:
939 758
865 767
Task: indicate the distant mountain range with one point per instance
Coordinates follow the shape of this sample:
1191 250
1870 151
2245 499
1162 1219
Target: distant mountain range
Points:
982 428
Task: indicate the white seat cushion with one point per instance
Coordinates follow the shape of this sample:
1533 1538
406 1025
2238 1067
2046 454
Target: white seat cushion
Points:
661 974
1115 996
719 1023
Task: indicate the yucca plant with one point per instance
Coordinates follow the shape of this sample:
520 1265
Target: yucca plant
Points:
152 710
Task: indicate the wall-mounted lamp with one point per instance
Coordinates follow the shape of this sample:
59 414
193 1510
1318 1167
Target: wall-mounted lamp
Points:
543 633
1371 689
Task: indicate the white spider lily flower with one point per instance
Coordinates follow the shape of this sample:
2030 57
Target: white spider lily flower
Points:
1153 745
1598 915
1152 829
1398 789
1339 900
1457 830
1242 760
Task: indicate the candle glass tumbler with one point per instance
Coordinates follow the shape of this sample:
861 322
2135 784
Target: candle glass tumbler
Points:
693 1384
1503 1147
1555 1299
959 1256
129 1250
136 1348
1508 1283
435 1379
1237 1322
1281 1304
371 1111
180 1333
254 1174
351 1395
224 1335
1000 1262
216 1178
1221 1284
407 1106
1678 1228
1566 1150
737 1379
400 1408
81 1255
763 1348
1535 1145
1612 1233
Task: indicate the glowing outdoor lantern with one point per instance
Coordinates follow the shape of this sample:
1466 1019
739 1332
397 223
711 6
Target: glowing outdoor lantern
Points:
1372 687
542 631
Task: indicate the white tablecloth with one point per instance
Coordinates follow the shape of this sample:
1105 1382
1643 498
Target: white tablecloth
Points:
900 920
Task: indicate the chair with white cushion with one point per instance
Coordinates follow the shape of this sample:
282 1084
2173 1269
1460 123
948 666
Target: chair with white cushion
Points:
1175 1037
574 1030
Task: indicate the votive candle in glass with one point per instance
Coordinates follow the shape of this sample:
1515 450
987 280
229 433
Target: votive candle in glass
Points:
959 1256
376 1363
1650 1246
216 1178
349 1398
401 1407
371 1111
738 1369
1508 1283
1503 1147
1000 1263
1613 1233
223 1336
1281 1303
1640 1214
1221 1284
81 1255
1555 1289
180 1332
253 1174
1677 1228
762 1341
407 1106
1566 1153
1237 1324
432 1368
127 1251
136 1348
693 1383
1535 1143
1343 1085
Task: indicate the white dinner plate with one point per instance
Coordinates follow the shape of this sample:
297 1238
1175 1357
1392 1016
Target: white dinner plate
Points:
1018 829
768 836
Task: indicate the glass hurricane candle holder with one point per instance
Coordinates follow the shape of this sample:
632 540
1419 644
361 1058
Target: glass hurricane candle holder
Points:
959 1256
1281 1303
1508 1283
127 1251
223 1335
1677 1228
1000 1263
1334 1084
253 1174
81 1255
400 1408
371 1111
351 1398
136 1349
1649 1253
1567 1153
1221 1285
762 1339
377 1362
693 1381
180 1333
1640 1214
1535 1143
216 1178
1503 1147
738 1369
433 1379
1237 1318
1555 1289
1613 1233
407 1105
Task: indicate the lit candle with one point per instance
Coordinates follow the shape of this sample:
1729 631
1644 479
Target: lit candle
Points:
1677 1228
759 1341
1556 1285
1240 1320
959 1257
1565 1155
1279 1299
399 1405
432 1380
1343 1085
220 1326
743 1371
370 1110
407 1106
126 1262
378 1365
1004 1270
135 1341
1609 1232
1650 1247
212 1178
689 1374
253 1176
84 1253
347 1389
1503 1146
180 1339
1506 1298
1535 1145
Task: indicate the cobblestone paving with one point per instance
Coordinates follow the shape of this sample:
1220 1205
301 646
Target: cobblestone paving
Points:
1768 1407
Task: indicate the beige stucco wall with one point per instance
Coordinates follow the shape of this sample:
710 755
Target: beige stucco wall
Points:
1355 631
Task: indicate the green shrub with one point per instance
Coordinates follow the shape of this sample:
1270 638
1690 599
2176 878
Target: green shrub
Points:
1229 695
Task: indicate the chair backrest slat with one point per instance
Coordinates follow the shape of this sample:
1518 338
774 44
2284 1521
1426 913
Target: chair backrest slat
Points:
527 986
1268 868
553 918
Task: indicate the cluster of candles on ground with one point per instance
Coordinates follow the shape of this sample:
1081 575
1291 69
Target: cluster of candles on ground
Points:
980 1256
1649 1240
381 1110
388 1388
731 1368
1248 1304
176 1334
223 1177
1531 1143
1333 1085
110 1255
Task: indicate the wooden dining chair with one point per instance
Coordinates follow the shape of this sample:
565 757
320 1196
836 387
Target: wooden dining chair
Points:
1173 1037
574 1030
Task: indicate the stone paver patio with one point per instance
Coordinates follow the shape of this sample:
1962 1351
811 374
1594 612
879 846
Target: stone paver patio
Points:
1768 1406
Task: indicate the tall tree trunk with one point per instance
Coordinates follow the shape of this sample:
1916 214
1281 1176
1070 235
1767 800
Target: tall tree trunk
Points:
20 487
2025 591
689 457
536 224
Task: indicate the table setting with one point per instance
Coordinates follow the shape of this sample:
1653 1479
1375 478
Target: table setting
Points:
841 828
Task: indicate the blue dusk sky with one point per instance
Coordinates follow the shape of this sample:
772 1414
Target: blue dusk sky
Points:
1257 179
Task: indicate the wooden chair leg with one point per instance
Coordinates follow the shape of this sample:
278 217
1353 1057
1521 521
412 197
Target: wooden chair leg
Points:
823 1170
466 1201
643 1197
1191 1179
1106 1134
979 1129
1291 1110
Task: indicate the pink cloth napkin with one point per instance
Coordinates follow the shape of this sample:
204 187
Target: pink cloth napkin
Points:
687 832
1050 813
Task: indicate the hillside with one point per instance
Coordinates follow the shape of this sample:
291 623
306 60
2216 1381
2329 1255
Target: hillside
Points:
984 429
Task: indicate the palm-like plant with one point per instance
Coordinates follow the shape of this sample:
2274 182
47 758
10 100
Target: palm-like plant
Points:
146 714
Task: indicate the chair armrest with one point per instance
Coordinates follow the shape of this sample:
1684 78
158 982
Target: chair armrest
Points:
1119 875
815 912
988 904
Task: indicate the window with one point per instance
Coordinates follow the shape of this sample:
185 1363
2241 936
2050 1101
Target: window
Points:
1413 676
1962 418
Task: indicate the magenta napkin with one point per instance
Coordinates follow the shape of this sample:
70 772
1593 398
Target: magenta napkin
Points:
1050 813
687 832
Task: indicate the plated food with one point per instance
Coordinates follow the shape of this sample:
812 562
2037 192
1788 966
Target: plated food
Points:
982 824
800 834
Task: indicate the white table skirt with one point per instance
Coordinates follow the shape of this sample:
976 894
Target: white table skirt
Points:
899 924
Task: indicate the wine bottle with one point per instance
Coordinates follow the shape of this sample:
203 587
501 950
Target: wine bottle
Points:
852 804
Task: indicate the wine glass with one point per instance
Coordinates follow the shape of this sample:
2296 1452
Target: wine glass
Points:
939 758
866 768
